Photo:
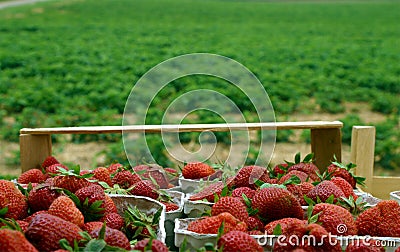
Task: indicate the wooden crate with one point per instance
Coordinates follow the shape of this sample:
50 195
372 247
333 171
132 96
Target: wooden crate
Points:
36 145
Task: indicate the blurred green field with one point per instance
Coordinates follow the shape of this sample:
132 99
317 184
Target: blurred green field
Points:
73 63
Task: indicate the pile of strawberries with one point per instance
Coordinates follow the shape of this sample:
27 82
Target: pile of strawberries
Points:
65 208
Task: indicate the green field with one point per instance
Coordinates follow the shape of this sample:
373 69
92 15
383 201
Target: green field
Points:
72 63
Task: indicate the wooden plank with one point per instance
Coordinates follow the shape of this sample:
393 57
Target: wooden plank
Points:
184 128
362 154
33 150
382 186
325 144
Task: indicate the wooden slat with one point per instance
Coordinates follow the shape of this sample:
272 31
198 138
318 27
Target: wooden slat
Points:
34 149
326 144
382 186
184 128
362 154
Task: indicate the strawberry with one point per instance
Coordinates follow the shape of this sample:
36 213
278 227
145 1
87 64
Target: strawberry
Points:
254 223
238 241
102 174
145 188
113 220
300 190
113 237
333 218
211 224
46 230
54 169
275 203
284 223
113 168
155 172
380 220
71 182
50 161
156 246
306 166
12 199
109 205
238 192
92 225
169 206
92 192
66 209
14 241
232 205
209 192
337 169
346 188
91 202
247 176
197 170
31 176
30 217
324 190
365 246
125 179
279 169
23 225
41 197
304 177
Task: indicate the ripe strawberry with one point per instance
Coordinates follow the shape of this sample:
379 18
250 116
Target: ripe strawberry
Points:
254 223
113 168
109 205
30 217
156 246
232 205
333 218
211 224
113 238
102 174
91 202
279 169
13 199
145 188
125 179
209 192
14 241
346 188
238 192
155 172
31 176
238 241
169 206
92 192
284 223
197 170
92 225
54 169
41 197
365 246
380 220
23 225
113 220
71 183
304 177
324 190
50 161
66 209
306 165
247 175
254 232
276 203
337 169
46 230
300 190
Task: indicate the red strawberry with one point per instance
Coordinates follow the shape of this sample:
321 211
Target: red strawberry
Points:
346 188
337 169
276 203
197 170
54 169
65 208
247 175
145 188
169 206
23 225
209 192
238 241
156 246
109 205
254 223
113 220
92 225
125 179
14 241
30 217
306 166
41 197
113 238
113 168
210 225
46 230
280 169
300 190
284 223
301 175
32 176
71 183
324 190
13 199
92 192
102 174
155 172
238 192
254 232
380 220
335 219
232 205
50 161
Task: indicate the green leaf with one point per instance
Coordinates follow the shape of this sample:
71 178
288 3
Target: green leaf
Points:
102 232
308 158
297 158
157 216
3 211
330 199
95 245
314 218
246 199
309 201
277 230
221 230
